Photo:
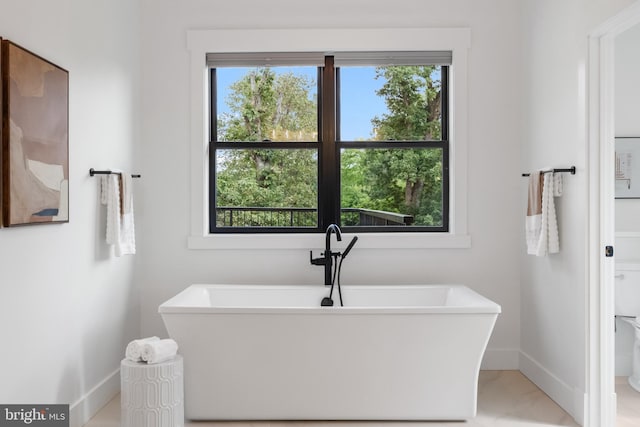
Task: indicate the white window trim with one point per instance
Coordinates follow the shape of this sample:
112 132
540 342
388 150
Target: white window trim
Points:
201 42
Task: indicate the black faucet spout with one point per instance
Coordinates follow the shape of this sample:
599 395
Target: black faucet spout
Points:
335 229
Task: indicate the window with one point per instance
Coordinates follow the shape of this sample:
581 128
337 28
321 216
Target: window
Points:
300 141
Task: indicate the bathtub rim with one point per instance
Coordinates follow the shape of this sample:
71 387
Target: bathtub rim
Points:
481 304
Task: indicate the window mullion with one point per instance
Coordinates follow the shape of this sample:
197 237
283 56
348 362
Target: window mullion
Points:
329 168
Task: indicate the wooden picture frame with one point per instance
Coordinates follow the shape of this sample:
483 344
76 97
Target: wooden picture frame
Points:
35 138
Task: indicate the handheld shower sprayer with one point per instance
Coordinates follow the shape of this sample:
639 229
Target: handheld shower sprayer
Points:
349 246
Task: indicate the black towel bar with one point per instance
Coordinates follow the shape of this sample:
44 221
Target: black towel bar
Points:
571 170
93 172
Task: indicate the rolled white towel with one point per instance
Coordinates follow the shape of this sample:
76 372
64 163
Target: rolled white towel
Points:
159 351
134 348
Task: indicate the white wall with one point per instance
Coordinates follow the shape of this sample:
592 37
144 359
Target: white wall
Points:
554 316
627 115
495 209
67 308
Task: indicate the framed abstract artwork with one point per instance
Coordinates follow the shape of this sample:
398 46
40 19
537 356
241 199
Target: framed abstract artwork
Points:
35 138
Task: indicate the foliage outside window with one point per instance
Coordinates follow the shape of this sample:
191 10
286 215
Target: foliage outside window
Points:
295 148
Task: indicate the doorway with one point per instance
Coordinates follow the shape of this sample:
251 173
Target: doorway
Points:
601 405
627 226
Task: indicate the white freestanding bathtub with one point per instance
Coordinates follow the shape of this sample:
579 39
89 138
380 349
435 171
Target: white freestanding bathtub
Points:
272 353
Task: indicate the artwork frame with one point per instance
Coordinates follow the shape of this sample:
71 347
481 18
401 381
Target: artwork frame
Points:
627 168
34 138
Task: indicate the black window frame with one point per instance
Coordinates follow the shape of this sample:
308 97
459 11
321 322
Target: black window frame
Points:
328 147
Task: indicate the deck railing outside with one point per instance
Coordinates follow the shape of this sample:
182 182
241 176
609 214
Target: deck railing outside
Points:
303 217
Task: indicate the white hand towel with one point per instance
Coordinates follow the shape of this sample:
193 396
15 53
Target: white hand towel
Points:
558 185
127 242
550 243
159 351
134 348
117 196
541 224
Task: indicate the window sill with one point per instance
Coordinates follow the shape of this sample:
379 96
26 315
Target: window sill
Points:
316 240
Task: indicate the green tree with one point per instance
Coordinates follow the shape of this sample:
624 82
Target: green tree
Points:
268 106
354 191
407 180
413 100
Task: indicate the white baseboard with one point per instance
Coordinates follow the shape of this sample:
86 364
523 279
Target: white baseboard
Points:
88 405
580 405
500 359
571 400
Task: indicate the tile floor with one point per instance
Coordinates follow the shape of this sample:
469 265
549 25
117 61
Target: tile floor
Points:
505 399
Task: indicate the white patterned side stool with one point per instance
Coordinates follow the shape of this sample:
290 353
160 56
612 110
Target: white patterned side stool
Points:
152 395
